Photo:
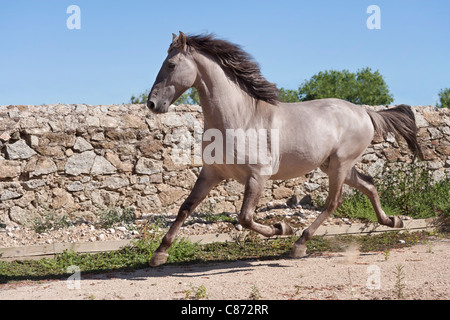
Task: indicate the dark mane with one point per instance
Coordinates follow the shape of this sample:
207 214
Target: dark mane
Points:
241 66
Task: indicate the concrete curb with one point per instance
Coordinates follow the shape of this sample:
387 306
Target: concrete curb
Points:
41 251
333 230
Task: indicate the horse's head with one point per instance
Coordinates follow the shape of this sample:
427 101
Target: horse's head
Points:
177 74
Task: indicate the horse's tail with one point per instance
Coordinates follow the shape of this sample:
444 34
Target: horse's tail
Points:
399 120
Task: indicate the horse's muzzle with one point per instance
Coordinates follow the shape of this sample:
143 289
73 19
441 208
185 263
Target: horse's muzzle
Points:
158 106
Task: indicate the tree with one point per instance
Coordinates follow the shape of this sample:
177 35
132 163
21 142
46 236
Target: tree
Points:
189 97
288 95
444 98
362 87
140 99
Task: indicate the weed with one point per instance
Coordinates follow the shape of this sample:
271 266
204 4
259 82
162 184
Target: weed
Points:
238 237
115 216
158 221
195 293
429 246
187 294
49 221
152 228
399 281
255 294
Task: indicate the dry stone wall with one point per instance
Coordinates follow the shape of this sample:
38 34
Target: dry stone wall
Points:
79 160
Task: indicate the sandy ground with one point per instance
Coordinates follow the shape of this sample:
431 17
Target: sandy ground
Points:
351 275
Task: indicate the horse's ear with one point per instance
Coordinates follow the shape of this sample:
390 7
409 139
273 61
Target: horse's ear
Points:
182 41
175 42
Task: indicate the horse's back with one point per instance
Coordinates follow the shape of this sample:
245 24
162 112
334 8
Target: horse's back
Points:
327 115
312 131
324 107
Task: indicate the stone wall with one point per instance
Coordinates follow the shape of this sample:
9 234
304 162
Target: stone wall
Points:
79 160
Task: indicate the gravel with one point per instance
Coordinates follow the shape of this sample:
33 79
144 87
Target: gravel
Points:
17 236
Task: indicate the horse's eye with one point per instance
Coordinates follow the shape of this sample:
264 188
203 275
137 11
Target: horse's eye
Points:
171 65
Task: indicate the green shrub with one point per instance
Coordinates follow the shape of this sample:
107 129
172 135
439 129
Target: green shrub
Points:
444 98
410 192
362 87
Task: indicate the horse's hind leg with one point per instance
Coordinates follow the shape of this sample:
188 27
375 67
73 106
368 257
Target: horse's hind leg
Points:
337 172
365 184
205 182
253 190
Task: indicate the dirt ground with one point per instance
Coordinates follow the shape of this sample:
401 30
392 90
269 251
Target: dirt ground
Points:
418 272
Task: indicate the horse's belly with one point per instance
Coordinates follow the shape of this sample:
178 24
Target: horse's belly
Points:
293 167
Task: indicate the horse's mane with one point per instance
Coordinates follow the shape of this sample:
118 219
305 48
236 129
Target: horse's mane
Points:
239 64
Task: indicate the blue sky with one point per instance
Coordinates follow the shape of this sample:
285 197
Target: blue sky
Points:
121 44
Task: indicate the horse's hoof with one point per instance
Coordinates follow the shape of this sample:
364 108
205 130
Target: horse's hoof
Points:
396 222
158 259
298 251
284 229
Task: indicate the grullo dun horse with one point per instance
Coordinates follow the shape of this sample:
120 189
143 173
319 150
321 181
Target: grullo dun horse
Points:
283 140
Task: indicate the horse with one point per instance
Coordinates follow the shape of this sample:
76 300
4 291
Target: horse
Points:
330 134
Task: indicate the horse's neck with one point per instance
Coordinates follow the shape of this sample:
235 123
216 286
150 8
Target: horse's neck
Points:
224 104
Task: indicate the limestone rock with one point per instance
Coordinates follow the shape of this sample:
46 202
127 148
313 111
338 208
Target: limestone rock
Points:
282 192
309 186
18 215
102 166
148 166
63 199
19 150
9 169
44 166
81 145
8 195
392 154
75 186
104 198
34 184
114 183
169 195
80 163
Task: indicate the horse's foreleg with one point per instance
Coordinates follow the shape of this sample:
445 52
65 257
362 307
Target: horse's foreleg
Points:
202 187
253 190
